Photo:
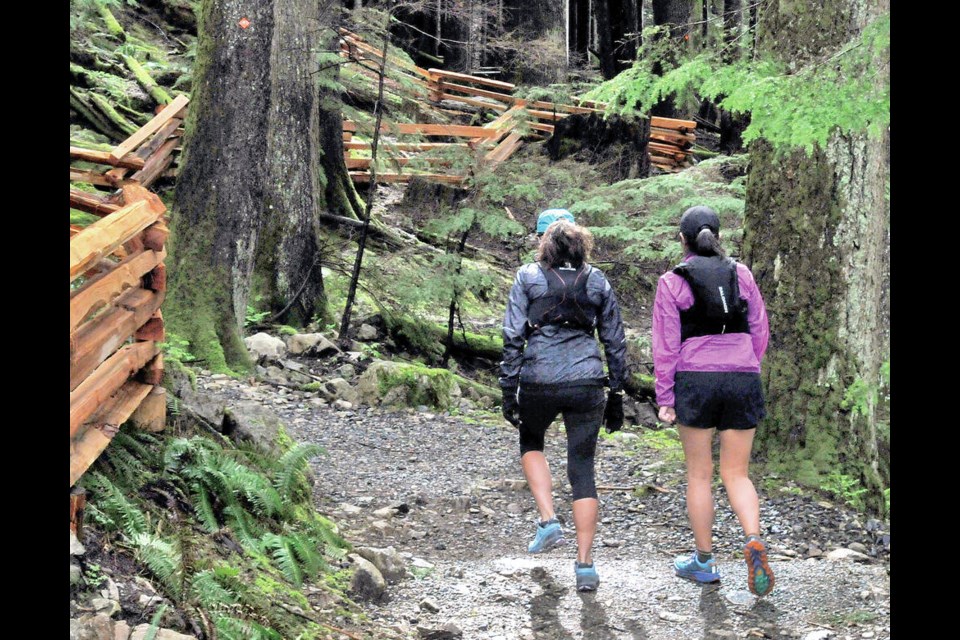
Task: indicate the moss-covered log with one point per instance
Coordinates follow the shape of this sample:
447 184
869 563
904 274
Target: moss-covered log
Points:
149 84
817 238
114 28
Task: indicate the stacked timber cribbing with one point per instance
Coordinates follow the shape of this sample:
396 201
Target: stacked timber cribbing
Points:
117 285
671 143
669 146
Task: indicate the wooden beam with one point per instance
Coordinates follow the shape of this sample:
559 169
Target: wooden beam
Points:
447 87
540 126
153 329
78 502
104 236
673 123
91 203
364 177
157 163
112 374
155 236
151 415
567 108
103 425
156 280
95 340
100 290
98 179
426 129
476 103
408 146
547 115
150 128
168 133
665 135
89 155
463 77
364 163
152 373
505 149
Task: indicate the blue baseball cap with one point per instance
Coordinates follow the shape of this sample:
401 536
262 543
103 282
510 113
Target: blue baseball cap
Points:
550 216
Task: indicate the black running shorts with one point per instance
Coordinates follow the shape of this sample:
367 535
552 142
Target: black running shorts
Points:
721 399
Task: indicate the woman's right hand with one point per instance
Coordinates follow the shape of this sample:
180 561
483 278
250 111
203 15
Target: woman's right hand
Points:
667 414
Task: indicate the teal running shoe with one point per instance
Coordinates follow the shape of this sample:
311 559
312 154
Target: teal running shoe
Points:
587 577
692 569
549 535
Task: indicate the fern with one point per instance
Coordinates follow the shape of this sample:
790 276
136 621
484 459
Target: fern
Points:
281 550
117 509
209 592
243 527
162 558
230 628
306 550
292 465
203 506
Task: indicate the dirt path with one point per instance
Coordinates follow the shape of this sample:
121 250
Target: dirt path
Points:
462 517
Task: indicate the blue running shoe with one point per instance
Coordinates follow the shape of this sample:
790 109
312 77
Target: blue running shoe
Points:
587 577
692 569
549 535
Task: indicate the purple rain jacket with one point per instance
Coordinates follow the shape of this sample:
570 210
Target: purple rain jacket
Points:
726 352
555 354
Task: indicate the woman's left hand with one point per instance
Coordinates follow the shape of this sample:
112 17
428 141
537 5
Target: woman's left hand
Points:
667 414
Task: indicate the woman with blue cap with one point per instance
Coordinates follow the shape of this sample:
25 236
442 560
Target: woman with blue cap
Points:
552 365
710 333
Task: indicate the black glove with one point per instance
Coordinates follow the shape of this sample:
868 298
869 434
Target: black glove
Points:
510 407
613 414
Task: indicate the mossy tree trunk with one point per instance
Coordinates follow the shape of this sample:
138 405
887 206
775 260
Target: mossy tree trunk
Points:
252 184
817 232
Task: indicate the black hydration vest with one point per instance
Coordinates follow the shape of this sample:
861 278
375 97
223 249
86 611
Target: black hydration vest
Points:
566 302
717 307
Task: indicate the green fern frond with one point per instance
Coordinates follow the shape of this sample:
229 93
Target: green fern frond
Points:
209 592
281 550
230 628
243 527
162 558
116 506
307 551
292 466
203 506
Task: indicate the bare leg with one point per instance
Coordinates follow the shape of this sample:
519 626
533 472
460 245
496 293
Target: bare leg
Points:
735 447
537 472
697 449
585 519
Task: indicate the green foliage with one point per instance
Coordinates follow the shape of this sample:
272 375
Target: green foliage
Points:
176 348
847 91
162 558
293 465
111 509
845 488
254 317
230 628
155 622
638 218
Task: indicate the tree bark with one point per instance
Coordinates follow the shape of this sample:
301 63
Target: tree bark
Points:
732 126
674 14
817 232
608 64
250 186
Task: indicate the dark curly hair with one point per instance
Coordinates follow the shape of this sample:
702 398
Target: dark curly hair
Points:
563 242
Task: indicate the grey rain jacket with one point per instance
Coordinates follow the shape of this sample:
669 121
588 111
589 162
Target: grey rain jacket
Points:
557 354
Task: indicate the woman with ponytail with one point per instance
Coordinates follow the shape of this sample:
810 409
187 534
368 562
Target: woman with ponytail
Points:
710 333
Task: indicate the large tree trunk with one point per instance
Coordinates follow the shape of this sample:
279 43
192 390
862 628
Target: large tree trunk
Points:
251 183
732 126
817 232
674 14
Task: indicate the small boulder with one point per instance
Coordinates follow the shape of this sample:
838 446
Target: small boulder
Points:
311 344
140 632
366 333
76 549
367 582
264 347
386 560
847 554
448 631
92 627
252 422
340 389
